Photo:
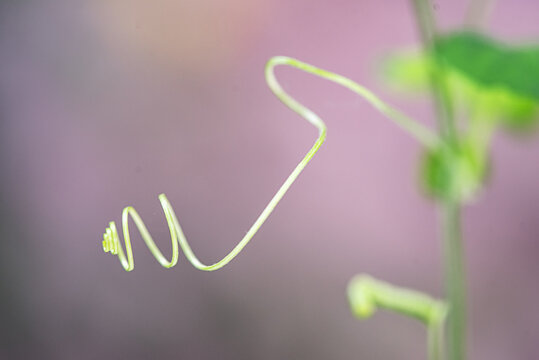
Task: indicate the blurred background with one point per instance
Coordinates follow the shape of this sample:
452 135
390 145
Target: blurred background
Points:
109 103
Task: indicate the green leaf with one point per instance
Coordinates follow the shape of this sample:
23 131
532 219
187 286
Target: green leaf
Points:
504 80
495 81
492 64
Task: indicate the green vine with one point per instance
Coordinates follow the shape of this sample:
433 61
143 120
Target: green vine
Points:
111 238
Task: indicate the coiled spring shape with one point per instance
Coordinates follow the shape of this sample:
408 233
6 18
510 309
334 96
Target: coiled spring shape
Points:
111 238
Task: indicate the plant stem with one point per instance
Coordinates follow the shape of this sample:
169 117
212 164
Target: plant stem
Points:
455 283
440 92
435 339
478 13
454 279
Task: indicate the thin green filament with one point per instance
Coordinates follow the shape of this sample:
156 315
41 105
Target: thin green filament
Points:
111 238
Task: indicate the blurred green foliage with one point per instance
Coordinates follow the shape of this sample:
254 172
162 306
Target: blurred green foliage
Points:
491 63
454 172
491 84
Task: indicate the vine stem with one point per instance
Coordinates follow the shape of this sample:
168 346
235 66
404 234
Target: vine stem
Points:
453 255
455 279
440 92
478 13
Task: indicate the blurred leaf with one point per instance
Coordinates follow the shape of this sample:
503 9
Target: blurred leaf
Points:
454 172
492 64
408 71
505 79
497 81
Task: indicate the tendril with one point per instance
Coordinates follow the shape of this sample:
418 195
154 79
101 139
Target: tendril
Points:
367 294
111 238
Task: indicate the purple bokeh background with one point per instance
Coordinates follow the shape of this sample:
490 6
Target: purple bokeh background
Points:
109 103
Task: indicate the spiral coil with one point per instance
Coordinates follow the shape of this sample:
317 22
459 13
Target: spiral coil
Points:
111 238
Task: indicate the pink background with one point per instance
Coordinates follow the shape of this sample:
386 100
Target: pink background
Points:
109 103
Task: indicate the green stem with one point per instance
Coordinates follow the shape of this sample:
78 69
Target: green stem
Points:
455 280
439 87
453 251
478 13
435 338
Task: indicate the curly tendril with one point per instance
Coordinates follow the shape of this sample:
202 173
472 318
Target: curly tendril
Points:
111 238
